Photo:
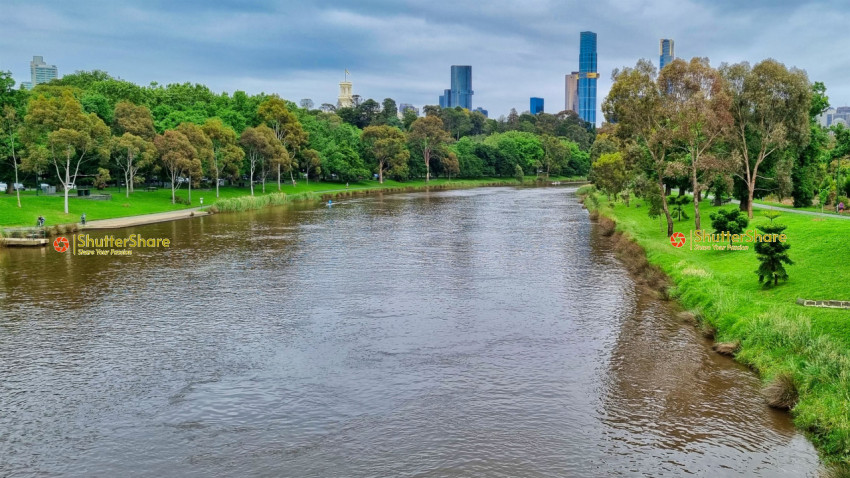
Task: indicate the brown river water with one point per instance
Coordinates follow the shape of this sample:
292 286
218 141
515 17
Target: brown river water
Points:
481 332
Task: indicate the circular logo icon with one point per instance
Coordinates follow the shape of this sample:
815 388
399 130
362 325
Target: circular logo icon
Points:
677 239
61 244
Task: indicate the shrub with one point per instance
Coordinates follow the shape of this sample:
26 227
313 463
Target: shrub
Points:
772 255
733 221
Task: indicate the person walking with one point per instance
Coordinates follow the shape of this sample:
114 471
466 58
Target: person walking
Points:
83 219
841 207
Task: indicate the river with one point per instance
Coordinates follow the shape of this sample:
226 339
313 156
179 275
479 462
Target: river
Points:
480 332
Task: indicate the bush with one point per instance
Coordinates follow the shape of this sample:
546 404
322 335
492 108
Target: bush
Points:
733 221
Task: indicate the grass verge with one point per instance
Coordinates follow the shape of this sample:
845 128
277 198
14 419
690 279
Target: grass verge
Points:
801 353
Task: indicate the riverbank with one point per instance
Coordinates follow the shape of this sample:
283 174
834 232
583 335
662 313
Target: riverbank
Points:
143 202
798 351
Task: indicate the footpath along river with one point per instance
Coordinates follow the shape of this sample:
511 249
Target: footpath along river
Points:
480 332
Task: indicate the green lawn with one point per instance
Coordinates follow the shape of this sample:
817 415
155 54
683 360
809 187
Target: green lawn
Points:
776 335
147 202
826 210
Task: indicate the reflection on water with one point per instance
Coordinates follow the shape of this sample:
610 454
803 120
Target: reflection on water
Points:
477 332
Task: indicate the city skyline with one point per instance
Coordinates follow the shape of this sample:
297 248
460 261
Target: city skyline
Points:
402 52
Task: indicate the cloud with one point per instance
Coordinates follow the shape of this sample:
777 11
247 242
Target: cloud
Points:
403 49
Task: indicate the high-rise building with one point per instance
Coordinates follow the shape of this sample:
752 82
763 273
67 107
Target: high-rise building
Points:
587 77
446 99
666 52
535 105
41 72
402 107
462 86
571 92
482 111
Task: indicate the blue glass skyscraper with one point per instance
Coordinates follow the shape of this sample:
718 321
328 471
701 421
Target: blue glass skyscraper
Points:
461 87
587 77
536 105
666 52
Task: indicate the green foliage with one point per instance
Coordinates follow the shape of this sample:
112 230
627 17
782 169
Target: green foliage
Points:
733 221
610 174
772 255
518 173
102 178
677 205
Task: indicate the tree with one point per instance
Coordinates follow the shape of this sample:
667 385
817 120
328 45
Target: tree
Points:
732 221
387 145
426 135
610 174
555 153
770 109
678 203
58 132
133 119
638 102
102 178
203 152
450 164
699 115
262 149
10 128
287 129
772 255
132 153
803 172
226 156
176 154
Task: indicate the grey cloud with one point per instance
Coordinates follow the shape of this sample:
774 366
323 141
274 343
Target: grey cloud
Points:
403 49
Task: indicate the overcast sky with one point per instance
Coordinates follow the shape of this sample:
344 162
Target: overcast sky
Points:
403 49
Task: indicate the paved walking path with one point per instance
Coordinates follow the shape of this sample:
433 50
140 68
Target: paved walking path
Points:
795 211
120 222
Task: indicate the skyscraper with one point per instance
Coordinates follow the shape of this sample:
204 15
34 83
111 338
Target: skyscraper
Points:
461 87
482 111
41 72
535 105
571 92
587 77
666 52
446 99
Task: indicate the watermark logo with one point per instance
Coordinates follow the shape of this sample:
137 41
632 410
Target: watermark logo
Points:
61 244
677 239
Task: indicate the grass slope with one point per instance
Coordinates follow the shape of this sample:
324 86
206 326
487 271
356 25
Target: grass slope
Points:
777 337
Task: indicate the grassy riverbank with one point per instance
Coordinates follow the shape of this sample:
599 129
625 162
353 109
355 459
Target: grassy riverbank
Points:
771 333
148 202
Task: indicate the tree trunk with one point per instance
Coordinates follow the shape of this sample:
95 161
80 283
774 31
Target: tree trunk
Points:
173 190
751 189
216 181
67 182
251 179
127 184
696 196
278 177
664 207
18 191
427 165
380 173
190 189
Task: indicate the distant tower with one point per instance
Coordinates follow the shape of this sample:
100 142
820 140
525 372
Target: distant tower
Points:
346 99
461 87
666 52
535 105
571 92
446 99
587 77
41 72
